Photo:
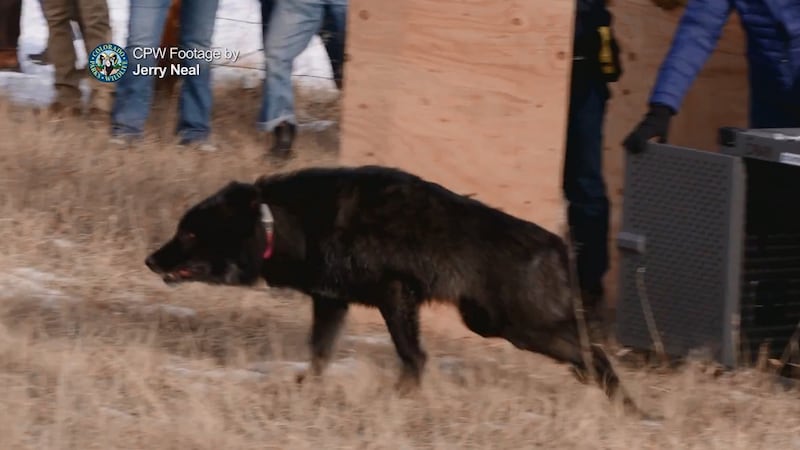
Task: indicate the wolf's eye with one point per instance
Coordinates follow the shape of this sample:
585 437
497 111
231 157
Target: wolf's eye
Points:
187 237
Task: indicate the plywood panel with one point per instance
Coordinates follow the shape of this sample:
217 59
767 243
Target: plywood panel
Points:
717 98
471 94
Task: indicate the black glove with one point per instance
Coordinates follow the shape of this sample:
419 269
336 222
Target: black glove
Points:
654 124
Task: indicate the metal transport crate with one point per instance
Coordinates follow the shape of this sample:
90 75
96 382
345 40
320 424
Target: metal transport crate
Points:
710 246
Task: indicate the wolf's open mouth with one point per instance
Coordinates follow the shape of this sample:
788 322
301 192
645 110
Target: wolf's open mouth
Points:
178 275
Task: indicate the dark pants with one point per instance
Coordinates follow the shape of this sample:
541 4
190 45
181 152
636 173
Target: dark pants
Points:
774 99
332 34
775 113
10 13
584 186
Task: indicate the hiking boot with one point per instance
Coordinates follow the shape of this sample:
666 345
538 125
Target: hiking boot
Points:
282 140
40 58
203 145
123 141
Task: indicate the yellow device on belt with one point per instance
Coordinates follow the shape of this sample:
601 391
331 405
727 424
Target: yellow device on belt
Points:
606 60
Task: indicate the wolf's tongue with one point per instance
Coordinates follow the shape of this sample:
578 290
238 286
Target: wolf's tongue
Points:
185 273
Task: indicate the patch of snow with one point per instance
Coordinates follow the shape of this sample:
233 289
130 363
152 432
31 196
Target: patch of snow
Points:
740 396
260 370
369 339
450 364
63 243
315 125
36 275
181 312
218 374
341 366
344 366
31 282
652 423
115 413
266 367
238 27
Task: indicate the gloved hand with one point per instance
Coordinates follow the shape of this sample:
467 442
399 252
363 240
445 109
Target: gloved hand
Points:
654 124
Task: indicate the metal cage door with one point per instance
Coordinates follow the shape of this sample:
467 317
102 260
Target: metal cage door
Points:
680 246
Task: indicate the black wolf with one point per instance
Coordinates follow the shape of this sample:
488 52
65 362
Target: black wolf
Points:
388 239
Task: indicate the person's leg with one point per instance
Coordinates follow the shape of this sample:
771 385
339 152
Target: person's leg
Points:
292 26
774 112
584 186
41 57
197 28
267 6
134 93
333 32
78 24
95 26
10 14
61 53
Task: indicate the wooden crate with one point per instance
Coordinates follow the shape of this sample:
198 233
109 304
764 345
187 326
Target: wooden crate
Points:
469 94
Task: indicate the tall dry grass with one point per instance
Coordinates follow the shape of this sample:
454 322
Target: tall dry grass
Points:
95 352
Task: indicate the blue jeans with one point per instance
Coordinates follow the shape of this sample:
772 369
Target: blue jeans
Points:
291 27
332 26
584 186
135 93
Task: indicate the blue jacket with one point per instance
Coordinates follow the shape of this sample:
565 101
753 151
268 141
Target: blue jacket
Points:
772 28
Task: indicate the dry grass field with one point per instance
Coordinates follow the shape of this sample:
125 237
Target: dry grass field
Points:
97 353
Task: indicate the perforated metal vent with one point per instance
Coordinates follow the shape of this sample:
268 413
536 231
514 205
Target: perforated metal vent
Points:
687 205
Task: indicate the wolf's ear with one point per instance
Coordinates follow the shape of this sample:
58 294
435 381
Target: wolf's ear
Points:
241 197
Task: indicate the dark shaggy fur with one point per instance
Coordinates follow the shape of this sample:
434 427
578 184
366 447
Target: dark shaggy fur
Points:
388 239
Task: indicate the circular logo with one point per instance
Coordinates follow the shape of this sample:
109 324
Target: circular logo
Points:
108 62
